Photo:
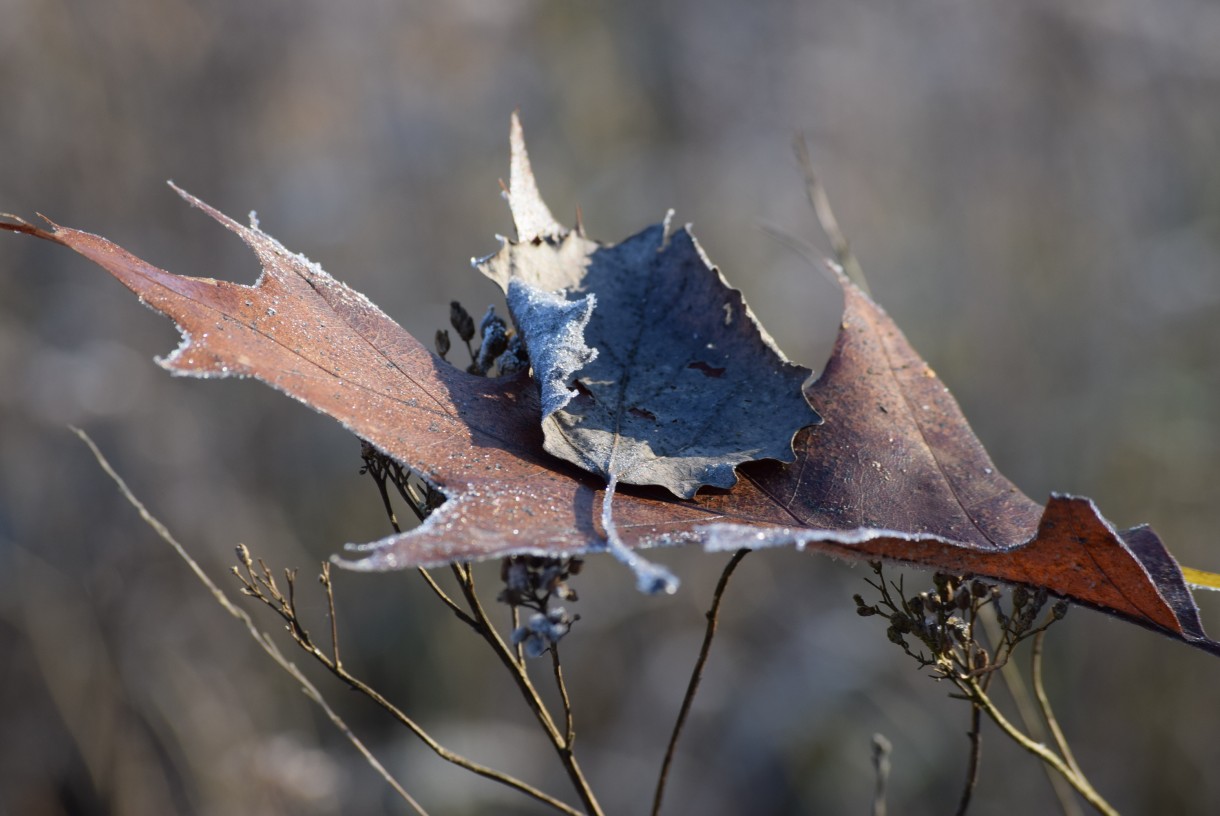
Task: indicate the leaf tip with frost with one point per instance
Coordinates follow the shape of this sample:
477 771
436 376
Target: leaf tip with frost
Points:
531 215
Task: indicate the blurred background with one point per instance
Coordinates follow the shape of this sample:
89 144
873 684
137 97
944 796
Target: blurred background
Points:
1033 190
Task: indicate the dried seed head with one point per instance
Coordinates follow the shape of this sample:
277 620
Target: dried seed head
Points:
495 340
461 321
515 357
442 342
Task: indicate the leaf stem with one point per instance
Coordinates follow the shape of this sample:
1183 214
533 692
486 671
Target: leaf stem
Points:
650 578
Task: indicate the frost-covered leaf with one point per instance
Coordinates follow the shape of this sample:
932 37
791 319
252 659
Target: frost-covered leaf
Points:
652 369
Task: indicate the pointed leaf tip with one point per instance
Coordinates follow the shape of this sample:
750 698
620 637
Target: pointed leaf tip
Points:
531 215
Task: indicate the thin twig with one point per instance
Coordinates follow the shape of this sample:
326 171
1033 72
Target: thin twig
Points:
826 217
263 640
382 470
1077 781
330 604
1044 703
282 605
569 727
376 467
713 617
445 599
514 619
529 692
972 768
1011 677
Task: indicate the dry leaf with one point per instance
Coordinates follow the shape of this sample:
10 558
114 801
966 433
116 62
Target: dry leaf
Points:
651 369
895 473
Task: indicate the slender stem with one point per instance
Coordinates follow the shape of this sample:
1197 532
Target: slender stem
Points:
713 617
375 467
377 470
445 599
1035 669
1011 677
569 728
532 698
972 769
650 578
1077 781
312 693
514 617
826 217
330 603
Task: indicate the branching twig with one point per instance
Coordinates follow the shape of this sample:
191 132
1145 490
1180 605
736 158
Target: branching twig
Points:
713 617
261 585
1080 783
529 692
385 471
946 622
1029 714
261 638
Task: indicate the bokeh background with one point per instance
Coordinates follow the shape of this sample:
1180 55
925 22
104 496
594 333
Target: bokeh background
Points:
1033 190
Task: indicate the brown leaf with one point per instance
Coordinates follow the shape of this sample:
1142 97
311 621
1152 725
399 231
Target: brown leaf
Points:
895 473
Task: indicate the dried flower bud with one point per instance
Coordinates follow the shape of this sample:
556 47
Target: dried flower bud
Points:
461 321
1020 597
495 340
515 357
1059 609
442 342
